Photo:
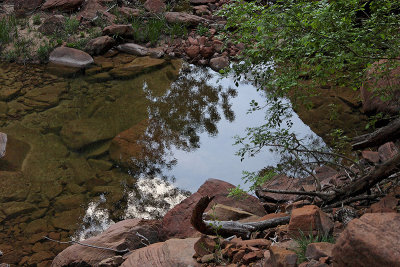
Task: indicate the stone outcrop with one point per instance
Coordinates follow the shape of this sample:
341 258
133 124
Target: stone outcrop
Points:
176 223
372 240
120 236
64 5
70 57
171 253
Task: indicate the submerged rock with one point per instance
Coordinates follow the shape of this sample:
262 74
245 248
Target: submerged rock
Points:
70 57
137 66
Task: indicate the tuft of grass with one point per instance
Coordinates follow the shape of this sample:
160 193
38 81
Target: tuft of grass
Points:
7 29
178 30
43 52
36 19
71 25
304 240
202 30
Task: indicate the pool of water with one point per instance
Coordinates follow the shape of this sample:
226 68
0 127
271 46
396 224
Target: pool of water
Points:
81 150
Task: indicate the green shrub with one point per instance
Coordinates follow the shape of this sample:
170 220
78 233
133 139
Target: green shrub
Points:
303 241
178 30
10 56
202 30
36 20
7 28
71 25
43 52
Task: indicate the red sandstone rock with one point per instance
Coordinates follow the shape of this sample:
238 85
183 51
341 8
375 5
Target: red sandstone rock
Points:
173 17
372 240
386 204
313 263
99 45
318 250
65 5
21 7
171 253
281 257
309 218
52 25
387 151
176 223
129 12
154 6
122 30
121 235
192 51
279 182
207 51
371 156
219 63
92 9
70 57
205 245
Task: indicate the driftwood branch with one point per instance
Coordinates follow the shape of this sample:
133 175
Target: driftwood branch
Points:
119 252
228 228
378 137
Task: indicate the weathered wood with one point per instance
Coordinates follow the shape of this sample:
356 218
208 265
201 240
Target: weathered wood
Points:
378 137
229 228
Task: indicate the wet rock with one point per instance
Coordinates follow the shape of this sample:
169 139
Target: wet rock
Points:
387 151
36 226
15 154
386 204
318 250
121 30
309 220
155 6
64 5
372 240
137 66
99 45
53 25
15 209
9 92
176 223
44 97
66 220
282 257
77 134
122 235
70 57
171 253
67 202
219 63
181 17
133 49
23 7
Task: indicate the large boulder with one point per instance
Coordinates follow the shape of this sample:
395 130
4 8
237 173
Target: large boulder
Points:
122 235
372 240
176 223
171 253
64 5
309 220
70 57
99 45
23 7
181 17
376 81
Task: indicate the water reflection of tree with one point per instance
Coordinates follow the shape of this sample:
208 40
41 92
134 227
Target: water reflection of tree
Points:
191 106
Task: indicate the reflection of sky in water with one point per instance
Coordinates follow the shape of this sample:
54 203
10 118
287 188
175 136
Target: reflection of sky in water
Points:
216 156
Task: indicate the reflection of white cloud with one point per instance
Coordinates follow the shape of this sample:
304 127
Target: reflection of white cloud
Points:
152 199
95 221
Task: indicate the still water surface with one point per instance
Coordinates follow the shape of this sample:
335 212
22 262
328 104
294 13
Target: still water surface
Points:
80 150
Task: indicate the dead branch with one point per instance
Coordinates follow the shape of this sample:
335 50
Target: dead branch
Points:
319 194
351 200
378 137
228 228
119 252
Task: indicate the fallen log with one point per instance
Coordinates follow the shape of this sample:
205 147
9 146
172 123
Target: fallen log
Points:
379 137
229 228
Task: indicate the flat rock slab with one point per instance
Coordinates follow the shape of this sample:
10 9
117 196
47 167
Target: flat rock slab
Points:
137 66
181 17
372 240
171 253
133 49
70 57
65 5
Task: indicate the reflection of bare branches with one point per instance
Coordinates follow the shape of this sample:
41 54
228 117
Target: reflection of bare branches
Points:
191 106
